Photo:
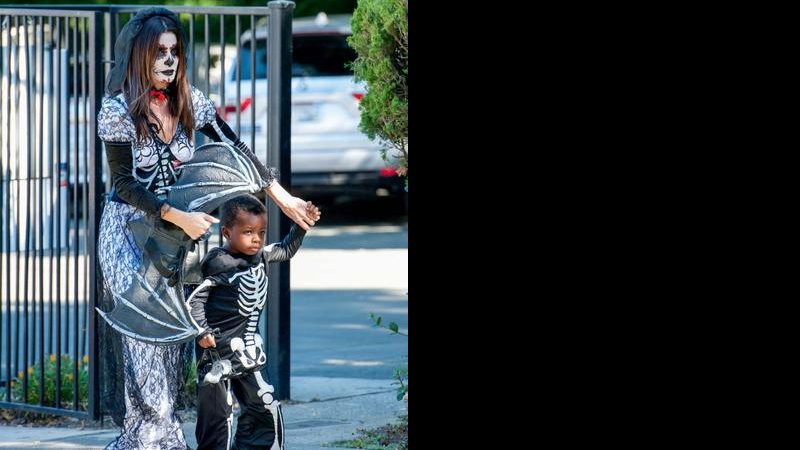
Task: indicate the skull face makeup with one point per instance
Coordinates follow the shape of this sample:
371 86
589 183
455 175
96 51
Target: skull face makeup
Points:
166 64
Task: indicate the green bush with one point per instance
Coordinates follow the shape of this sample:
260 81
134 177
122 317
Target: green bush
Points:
400 374
401 380
67 378
388 437
380 38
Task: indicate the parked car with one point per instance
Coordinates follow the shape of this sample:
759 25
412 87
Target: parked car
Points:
330 156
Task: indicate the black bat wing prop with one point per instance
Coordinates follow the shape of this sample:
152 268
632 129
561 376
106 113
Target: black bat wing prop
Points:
216 173
149 310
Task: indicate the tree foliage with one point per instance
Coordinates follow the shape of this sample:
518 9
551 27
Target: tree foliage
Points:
380 38
302 7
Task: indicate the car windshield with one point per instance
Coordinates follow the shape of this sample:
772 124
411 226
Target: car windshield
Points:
313 56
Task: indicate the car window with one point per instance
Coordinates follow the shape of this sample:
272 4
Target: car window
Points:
321 56
313 56
261 60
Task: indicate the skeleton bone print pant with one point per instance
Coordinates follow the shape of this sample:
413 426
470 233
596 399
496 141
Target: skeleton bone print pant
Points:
260 422
151 371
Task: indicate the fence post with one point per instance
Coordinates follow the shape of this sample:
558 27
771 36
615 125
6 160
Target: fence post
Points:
96 189
279 76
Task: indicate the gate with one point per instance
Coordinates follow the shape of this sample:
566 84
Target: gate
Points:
53 175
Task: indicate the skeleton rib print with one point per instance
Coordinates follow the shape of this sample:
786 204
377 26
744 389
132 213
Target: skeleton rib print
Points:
252 297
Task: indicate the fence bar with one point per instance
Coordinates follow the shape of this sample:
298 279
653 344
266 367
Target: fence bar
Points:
221 63
7 248
279 74
96 190
84 191
252 83
193 71
207 36
238 79
40 188
57 200
75 243
27 352
43 409
3 228
52 187
17 240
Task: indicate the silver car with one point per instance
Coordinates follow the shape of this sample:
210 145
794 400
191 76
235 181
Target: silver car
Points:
330 156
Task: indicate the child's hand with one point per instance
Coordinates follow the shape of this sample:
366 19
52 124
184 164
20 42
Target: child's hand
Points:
313 212
207 341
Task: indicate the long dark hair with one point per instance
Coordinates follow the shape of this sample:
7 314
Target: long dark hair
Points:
140 71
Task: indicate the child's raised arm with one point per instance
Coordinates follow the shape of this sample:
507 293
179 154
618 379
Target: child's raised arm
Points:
284 250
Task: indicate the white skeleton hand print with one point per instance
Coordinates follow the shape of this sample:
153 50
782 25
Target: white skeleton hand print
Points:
253 284
251 355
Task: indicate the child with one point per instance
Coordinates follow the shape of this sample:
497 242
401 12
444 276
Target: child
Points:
227 306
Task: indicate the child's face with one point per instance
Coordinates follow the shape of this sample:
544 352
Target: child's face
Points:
247 234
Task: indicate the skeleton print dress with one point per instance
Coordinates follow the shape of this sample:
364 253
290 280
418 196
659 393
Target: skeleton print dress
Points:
139 169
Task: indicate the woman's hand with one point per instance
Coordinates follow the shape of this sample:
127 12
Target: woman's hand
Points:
195 224
207 341
313 211
303 213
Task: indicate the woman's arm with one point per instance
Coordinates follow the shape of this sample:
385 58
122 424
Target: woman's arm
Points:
195 223
120 163
219 131
294 207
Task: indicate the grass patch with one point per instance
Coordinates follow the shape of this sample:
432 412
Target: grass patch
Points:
388 437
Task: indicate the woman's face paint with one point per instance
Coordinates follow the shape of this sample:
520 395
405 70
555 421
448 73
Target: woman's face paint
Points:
166 65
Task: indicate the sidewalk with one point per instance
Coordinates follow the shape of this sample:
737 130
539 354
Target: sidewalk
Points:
322 410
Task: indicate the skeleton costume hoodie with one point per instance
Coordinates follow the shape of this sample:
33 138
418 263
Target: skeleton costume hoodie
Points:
231 298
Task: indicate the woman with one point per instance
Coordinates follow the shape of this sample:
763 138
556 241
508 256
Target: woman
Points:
147 122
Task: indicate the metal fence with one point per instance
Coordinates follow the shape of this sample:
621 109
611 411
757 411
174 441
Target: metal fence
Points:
53 177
